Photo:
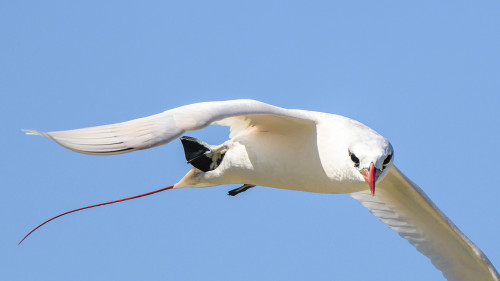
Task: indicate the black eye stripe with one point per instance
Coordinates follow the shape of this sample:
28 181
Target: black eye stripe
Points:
387 159
354 159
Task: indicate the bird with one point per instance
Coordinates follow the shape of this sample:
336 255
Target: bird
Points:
295 150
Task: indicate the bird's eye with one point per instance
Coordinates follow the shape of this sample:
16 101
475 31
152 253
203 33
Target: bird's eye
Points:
387 159
354 159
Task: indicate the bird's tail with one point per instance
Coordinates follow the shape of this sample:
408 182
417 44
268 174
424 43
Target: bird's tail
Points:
97 205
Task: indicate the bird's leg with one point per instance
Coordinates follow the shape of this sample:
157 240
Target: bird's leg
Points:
240 189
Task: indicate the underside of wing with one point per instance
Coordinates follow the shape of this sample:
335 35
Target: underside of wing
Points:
151 131
406 209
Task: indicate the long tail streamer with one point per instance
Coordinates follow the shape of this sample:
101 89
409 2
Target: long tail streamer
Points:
97 205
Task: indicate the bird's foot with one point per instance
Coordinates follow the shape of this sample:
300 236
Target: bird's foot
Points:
240 189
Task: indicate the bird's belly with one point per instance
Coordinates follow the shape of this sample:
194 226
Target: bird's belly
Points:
280 164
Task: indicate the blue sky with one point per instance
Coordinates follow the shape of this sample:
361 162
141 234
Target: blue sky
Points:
425 74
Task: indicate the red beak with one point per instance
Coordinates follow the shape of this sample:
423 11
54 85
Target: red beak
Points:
370 177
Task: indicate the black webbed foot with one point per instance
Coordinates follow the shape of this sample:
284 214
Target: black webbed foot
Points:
240 189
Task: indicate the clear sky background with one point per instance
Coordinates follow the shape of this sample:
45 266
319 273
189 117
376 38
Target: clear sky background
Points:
425 74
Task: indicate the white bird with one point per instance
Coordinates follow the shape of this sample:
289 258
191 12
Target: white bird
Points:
297 150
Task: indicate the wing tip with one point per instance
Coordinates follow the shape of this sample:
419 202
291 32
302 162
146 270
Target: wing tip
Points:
34 132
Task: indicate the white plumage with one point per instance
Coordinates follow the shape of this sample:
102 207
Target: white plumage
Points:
300 150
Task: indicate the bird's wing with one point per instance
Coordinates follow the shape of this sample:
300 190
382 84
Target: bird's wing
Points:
162 128
406 209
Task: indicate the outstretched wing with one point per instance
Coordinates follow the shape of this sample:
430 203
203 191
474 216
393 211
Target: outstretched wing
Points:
158 129
406 209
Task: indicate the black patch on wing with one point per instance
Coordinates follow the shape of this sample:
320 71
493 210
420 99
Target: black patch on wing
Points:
110 151
195 152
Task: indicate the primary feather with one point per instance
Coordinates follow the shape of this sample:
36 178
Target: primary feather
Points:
158 129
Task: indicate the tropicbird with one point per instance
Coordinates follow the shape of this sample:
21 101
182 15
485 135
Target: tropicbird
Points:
297 150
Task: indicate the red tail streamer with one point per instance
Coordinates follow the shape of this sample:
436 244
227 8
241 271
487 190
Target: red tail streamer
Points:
97 205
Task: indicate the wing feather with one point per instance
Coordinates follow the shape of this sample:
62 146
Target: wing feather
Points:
406 209
158 129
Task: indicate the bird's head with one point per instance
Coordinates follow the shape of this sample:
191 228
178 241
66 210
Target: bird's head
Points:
370 159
